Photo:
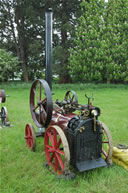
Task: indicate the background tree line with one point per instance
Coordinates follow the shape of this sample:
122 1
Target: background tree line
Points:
22 31
90 40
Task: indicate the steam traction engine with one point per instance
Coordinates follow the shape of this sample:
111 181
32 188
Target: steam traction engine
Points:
3 111
73 135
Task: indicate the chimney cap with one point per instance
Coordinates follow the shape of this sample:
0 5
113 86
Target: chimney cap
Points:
49 10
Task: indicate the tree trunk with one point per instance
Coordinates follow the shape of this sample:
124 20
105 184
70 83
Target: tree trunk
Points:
11 17
21 42
108 81
65 79
24 63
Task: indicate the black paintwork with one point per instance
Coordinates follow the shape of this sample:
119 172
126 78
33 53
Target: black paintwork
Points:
86 146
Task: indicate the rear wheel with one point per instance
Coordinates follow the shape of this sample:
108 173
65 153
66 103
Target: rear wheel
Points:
57 149
107 146
41 105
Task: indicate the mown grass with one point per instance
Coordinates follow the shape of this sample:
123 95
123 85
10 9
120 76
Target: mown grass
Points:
23 171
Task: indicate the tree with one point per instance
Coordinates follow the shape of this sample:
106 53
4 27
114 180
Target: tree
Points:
8 65
22 30
9 20
100 47
65 15
115 47
84 61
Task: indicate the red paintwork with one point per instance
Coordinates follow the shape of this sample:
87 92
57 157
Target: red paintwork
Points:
60 119
53 144
28 137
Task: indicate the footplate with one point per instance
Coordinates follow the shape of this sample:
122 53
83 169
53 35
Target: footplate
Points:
90 164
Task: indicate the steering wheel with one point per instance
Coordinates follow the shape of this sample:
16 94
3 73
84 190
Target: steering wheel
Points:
41 105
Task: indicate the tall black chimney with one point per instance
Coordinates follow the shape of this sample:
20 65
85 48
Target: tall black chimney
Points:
48 45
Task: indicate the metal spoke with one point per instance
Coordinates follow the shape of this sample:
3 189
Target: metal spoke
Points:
52 150
59 151
36 94
105 154
43 101
35 108
58 144
69 96
60 161
72 98
51 138
49 146
56 164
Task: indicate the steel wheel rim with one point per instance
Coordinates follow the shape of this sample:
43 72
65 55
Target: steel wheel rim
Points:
44 106
57 149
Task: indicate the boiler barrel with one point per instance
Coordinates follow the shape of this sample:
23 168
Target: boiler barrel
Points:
61 120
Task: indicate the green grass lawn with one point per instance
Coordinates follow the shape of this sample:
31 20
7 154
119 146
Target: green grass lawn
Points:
23 171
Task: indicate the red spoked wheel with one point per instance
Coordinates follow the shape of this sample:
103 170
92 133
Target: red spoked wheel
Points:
30 137
107 146
57 149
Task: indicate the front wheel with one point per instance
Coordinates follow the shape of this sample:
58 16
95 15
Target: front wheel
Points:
57 149
30 137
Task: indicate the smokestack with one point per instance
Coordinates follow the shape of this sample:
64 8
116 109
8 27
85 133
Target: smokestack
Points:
48 45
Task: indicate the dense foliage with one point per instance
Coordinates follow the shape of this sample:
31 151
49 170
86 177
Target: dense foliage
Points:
101 42
8 66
